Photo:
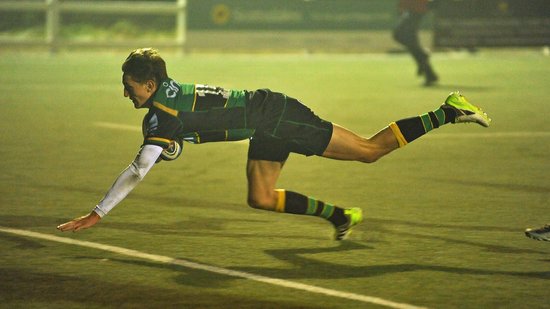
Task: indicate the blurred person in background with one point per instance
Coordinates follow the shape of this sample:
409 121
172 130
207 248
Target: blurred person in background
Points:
406 33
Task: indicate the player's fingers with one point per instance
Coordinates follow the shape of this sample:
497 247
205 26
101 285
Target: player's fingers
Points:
66 226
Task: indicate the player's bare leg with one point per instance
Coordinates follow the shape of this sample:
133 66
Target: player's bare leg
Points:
346 145
262 178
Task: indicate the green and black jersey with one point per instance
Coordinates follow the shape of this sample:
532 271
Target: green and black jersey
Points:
195 113
200 113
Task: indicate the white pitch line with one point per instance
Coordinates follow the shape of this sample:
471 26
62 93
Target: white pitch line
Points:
213 269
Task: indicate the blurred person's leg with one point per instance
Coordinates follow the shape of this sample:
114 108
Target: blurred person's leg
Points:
406 33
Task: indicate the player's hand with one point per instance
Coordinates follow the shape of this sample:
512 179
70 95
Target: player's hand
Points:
80 223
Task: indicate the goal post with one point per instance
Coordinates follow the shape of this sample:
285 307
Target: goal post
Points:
53 22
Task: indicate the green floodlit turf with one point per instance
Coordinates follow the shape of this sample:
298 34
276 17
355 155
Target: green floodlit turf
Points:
444 216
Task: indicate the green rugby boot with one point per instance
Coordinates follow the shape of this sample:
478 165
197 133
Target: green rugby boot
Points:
466 111
542 233
354 216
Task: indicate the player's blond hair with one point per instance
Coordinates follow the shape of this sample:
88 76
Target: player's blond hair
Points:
145 64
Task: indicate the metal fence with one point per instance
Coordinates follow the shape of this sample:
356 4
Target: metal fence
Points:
53 24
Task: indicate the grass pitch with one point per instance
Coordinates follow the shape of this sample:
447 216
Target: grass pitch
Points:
444 216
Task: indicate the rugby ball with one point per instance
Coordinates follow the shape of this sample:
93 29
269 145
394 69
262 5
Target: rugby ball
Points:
172 152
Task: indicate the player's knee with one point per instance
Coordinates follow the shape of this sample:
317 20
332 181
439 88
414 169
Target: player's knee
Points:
371 155
369 158
253 203
261 201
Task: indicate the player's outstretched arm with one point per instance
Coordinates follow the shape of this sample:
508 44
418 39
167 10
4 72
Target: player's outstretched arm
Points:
80 223
123 185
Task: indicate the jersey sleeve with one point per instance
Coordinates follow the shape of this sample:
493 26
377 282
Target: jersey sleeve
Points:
202 137
160 128
128 179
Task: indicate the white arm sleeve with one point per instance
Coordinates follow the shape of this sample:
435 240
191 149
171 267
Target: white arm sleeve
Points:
129 178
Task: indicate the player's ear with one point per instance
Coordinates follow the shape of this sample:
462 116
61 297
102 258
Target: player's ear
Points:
151 85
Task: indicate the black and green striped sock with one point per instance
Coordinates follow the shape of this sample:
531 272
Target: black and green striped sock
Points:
296 203
409 129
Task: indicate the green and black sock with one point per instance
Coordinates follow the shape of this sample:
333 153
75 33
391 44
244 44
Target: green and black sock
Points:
409 129
296 203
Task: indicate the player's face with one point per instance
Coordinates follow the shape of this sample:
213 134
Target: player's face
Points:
139 93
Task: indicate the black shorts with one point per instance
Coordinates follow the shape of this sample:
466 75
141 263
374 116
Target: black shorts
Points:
290 127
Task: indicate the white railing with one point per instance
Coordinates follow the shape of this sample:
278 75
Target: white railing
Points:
53 8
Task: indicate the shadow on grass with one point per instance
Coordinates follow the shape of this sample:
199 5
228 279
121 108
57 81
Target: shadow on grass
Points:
380 226
22 286
313 268
304 267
